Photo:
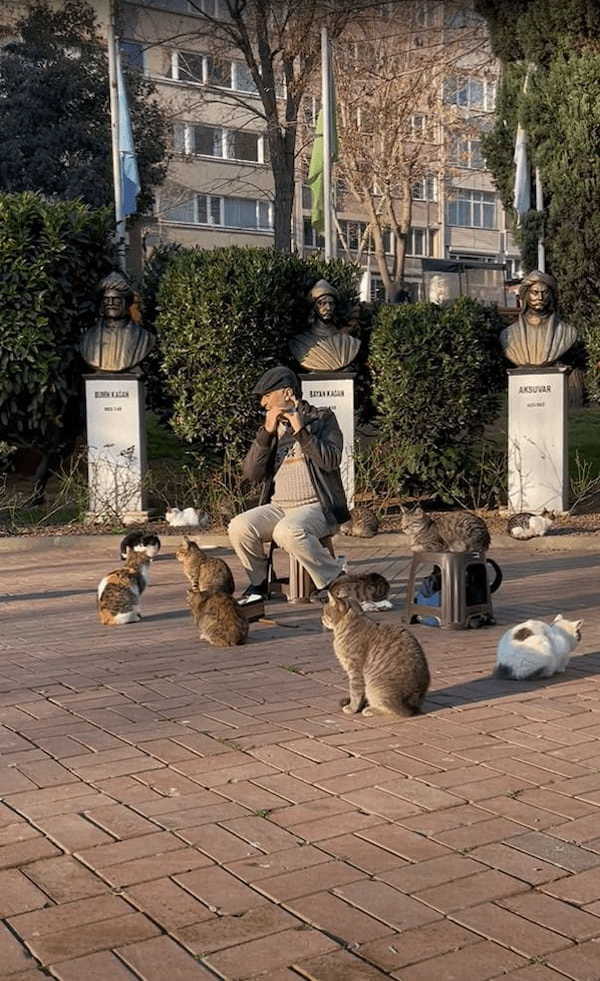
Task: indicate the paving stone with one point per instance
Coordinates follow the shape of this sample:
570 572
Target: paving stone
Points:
229 931
65 879
18 894
339 920
276 863
580 962
340 965
304 881
554 914
120 821
90 937
566 856
53 919
424 875
262 956
477 962
526 867
160 958
512 931
387 904
220 890
362 854
471 891
13 955
422 943
94 967
168 903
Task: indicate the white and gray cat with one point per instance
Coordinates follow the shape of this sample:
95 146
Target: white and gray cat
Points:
535 649
457 531
527 525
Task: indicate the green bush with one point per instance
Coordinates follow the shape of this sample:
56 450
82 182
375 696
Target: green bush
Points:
224 316
52 256
437 371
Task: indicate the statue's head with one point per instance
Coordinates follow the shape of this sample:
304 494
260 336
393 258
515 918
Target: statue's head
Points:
117 296
539 292
323 299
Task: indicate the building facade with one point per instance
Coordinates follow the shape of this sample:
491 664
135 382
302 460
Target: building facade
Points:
219 186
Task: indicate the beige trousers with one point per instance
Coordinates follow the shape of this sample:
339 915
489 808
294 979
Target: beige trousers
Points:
297 531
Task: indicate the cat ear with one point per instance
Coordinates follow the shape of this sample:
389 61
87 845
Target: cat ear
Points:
403 509
558 617
579 624
186 539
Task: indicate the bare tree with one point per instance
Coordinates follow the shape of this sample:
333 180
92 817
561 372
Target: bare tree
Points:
279 41
394 125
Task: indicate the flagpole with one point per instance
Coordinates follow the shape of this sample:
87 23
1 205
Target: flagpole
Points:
114 132
326 106
539 204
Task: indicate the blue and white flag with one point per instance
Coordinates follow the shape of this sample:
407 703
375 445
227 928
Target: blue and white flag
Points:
130 178
522 190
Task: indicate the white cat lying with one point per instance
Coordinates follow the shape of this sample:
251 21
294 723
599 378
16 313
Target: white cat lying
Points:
534 649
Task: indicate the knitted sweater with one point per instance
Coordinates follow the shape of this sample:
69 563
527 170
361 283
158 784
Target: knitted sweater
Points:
293 485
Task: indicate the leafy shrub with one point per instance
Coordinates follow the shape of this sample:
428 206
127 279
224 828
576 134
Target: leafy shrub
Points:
224 316
437 371
52 256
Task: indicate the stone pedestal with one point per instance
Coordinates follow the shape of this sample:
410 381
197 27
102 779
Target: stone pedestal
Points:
116 447
335 390
538 475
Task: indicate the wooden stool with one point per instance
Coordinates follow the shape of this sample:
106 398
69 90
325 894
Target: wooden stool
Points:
465 593
299 583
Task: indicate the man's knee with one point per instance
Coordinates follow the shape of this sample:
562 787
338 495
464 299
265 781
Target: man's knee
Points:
239 528
286 534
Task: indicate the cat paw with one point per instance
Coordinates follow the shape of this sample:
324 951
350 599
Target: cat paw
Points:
344 701
368 711
348 709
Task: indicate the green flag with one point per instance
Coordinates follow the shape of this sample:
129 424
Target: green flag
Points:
315 173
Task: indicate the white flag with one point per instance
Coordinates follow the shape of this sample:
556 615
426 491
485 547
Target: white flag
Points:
522 192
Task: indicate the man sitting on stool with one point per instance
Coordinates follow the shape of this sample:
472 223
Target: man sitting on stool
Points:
297 455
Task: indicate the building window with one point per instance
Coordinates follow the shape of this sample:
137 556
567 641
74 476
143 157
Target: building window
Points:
311 105
354 235
312 238
195 68
472 209
132 54
421 242
215 141
464 151
469 92
210 209
212 8
425 189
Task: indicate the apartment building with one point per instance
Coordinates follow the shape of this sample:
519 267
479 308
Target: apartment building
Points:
219 186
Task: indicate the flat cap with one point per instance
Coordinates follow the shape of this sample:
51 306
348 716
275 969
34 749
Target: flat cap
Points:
276 378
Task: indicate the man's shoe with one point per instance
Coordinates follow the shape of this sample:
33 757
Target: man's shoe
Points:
322 595
252 594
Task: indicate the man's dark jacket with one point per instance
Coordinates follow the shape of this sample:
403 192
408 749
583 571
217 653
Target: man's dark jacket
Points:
321 442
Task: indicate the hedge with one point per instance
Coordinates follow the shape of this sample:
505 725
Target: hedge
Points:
223 317
52 256
437 372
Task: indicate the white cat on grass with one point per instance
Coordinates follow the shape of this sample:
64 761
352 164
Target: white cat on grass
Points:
535 649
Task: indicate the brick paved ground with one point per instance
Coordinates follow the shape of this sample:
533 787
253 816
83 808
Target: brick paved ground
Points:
170 811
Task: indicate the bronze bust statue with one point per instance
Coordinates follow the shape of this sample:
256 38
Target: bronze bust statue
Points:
539 336
116 343
324 346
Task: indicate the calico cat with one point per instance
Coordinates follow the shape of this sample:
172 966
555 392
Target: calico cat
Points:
458 531
204 573
218 617
140 541
527 525
535 650
385 663
120 591
363 524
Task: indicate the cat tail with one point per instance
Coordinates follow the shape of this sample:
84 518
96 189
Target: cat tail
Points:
498 575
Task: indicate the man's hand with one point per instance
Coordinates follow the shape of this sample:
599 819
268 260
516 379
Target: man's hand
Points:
272 420
294 417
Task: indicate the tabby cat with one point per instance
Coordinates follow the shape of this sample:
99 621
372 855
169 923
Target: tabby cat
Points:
218 617
370 589
459 531
386 667
204 574
527 525
120 591
363 524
